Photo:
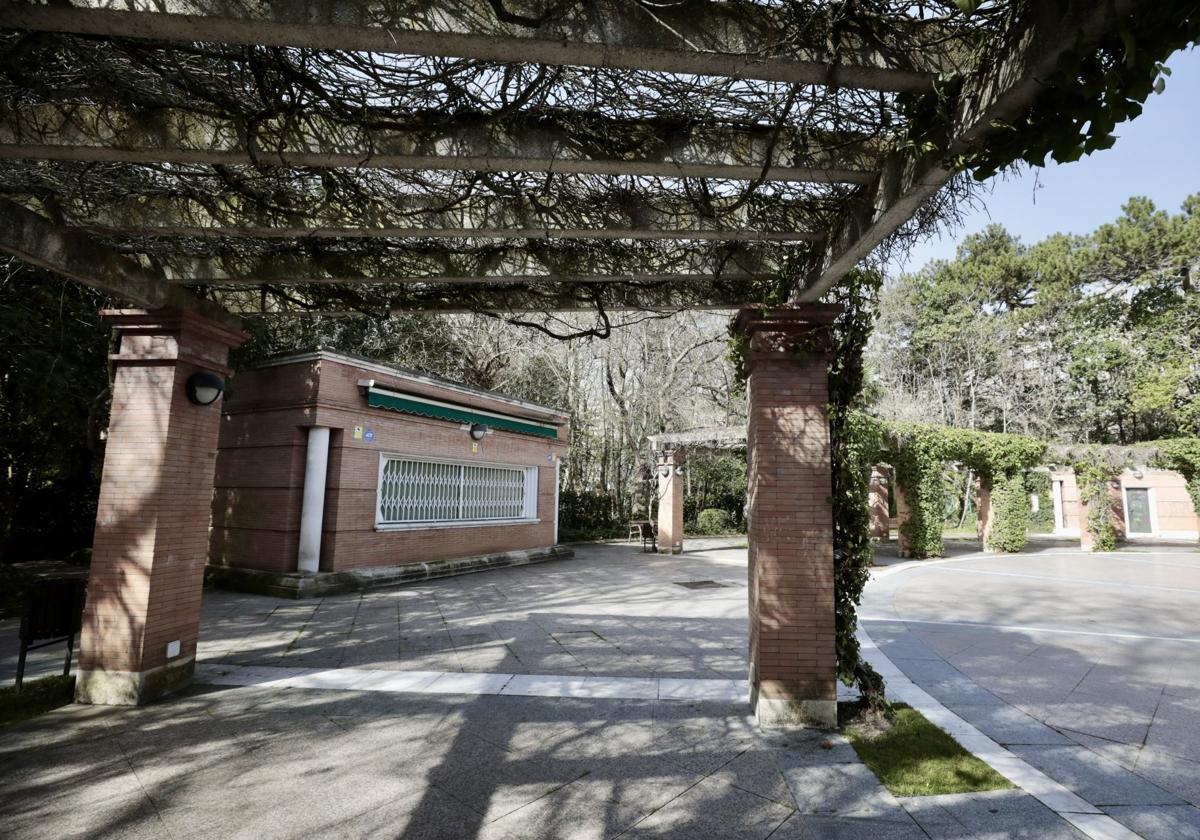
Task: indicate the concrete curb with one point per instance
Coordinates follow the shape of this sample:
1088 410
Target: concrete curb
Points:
320 584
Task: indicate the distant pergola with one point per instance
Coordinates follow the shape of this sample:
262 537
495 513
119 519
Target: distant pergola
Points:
209 160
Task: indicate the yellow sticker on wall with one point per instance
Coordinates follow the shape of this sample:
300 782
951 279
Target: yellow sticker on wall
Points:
358 430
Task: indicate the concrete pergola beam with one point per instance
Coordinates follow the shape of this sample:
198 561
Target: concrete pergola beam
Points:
633 216
74 254
477 280
454 299
394 232
735 38
433 263
584 146
993 99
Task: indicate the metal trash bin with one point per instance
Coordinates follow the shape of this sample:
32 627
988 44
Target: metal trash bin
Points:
53 613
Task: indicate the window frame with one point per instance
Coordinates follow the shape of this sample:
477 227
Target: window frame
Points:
1151 501
529 515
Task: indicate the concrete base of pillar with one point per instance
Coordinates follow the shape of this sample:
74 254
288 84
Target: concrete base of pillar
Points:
670 549
132 688
790 712
795 714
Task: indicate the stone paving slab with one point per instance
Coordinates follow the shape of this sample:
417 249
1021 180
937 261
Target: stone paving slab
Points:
265 761
999 813
370 746
1096 779
612 612
1172 822
1091 658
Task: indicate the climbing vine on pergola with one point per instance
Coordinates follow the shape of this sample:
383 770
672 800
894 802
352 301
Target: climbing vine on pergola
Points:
530 155
919 453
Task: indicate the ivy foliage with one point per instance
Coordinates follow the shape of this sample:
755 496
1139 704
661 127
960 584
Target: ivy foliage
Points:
1095 86
915 453
1094 469
1011 513
855 445
918 452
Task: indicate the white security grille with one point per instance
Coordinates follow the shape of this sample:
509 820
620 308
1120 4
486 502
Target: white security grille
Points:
412 491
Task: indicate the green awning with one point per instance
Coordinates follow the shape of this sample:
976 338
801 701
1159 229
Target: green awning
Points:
398 402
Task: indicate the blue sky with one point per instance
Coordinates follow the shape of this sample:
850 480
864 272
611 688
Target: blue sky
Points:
1156 155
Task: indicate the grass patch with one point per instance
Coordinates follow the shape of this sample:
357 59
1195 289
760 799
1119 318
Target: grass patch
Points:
38 697
912 757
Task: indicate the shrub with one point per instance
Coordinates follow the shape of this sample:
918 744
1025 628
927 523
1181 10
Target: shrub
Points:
587 510
714 521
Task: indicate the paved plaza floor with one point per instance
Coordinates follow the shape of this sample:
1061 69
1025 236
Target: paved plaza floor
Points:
278 758
1085 665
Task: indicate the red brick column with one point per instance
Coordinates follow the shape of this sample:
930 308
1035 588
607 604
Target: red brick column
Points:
670 501
792 635
152 523
880 521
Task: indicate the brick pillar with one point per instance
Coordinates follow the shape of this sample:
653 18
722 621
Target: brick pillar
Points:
903 545
880 521
670 501
792 633
152 523
983 509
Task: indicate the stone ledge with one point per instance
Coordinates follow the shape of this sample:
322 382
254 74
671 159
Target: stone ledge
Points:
319 584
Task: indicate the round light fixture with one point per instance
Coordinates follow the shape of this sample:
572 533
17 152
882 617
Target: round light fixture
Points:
204 388
478 430
679 470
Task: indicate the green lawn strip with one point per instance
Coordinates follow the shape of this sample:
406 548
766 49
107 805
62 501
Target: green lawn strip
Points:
37 697
912 757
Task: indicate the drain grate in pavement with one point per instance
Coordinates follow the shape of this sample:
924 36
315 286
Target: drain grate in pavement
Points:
700 584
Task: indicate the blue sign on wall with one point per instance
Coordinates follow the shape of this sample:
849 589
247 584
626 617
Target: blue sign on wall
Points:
369 435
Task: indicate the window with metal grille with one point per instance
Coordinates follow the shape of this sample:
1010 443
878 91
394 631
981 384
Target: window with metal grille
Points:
412 492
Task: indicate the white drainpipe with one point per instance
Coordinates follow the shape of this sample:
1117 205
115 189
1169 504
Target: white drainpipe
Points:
557 476
312 511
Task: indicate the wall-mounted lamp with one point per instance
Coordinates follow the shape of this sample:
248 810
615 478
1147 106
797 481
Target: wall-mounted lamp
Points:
1137 474
664 471
204 388
478 430
679 470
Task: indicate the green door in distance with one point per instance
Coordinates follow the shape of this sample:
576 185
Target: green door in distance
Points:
1138 501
